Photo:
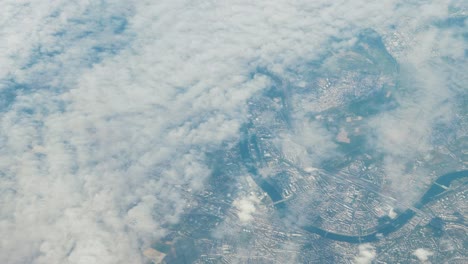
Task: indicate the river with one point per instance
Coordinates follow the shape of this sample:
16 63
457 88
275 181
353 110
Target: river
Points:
431 194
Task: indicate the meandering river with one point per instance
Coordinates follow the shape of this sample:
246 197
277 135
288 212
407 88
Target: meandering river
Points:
433 193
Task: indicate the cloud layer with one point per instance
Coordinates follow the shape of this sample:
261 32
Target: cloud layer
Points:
108 108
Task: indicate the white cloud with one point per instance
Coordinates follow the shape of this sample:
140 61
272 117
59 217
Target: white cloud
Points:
423 254
246 207
307 144
366 254
405 134
391 213
120 101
